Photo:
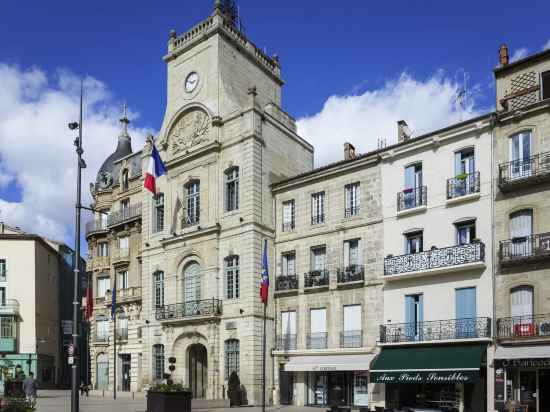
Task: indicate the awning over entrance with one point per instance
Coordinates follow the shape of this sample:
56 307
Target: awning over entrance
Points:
329 363
522 352
428 364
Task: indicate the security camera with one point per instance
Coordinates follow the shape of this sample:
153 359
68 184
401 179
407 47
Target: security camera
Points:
73 125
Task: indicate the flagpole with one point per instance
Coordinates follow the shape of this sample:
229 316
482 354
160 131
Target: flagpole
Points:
263 359
114 343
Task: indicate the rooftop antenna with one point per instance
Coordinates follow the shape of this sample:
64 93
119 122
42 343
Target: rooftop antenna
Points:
462 99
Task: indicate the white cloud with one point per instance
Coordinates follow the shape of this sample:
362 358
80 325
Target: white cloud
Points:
36 147
546 45
519 54
363 119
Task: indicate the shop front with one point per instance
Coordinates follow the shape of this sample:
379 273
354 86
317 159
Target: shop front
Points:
328 380
522 378
433 378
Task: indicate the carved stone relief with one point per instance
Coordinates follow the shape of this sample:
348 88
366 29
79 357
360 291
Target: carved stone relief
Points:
191 129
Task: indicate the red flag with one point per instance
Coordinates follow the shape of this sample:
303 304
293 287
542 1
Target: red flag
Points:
89 302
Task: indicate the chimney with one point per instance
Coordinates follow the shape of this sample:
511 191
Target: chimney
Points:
349 151
403 131
504 57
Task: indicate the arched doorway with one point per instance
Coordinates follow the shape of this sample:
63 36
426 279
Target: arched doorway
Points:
198 370
192 288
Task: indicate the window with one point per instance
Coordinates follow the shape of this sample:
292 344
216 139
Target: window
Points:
288 330
288 264
466 312
158 213
125 208
521 229
232 189
3 296
192 213
158 288
412 195
103 249
414 316
318 329
122 280
545 81
232 277
465 232
8 327
288 215
464 162
352 334
520 155
103 285
124 246
414 242
122 327
3 269
318 258
352 254
522 302
125 180
192 283
318 208
158 362
353 198
102 330
104 217
232 353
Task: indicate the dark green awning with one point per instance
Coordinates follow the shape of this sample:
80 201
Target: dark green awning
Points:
428 364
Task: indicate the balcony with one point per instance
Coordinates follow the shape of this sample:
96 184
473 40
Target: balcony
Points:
8 345
286 342
288 226
191 220
120 256
412 199
9 307
94 226
316 279
317 219
199 309
439 330
351 274
352 211
524 172
525 249
286 283
435 261
351 339
524 328
463 186
317 340
123 216
130 294
99 262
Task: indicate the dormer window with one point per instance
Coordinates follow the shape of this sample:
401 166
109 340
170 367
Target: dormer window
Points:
125 180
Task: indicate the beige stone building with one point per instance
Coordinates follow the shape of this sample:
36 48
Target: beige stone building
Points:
522 230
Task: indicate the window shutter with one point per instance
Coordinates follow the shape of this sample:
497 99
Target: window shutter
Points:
352 317
346 254
522 301
318 320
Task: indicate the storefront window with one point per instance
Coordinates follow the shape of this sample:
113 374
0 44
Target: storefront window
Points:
317 388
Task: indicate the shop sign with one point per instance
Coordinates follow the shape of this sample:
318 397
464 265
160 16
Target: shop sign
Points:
425 377
525 363
499 389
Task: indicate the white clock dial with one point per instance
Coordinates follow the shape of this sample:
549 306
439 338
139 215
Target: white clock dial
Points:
191 82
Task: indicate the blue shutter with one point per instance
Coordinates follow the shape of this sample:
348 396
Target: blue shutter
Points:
466 312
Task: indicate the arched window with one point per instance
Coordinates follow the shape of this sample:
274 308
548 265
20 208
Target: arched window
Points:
520 155
158 288
125 180
232 277
158 362
192 283
521 300
232 189
192 210
521 229
232 353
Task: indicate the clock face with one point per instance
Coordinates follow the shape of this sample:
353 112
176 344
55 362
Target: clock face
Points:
191 82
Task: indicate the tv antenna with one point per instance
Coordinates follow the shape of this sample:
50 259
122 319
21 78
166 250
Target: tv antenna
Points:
462 98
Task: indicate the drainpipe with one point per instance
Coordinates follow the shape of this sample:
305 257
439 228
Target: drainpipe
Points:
494 256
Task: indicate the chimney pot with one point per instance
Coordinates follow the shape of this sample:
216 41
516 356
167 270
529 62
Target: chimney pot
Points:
403 131
349 151
504 57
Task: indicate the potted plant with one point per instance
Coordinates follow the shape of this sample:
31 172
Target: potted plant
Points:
461 176
234 390
169 397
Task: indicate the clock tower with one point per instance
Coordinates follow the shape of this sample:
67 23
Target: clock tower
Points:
224 140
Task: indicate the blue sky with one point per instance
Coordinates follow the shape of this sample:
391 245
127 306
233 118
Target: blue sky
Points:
337 57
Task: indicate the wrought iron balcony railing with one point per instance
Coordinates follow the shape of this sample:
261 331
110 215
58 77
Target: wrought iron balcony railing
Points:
288 282
352 211
412 198
435 258
286 342
463 185
315 278
207 307
352 273
518 327
534 168
288 226
318 219
351 339
129 213
317 340
95 226
451 329
524 248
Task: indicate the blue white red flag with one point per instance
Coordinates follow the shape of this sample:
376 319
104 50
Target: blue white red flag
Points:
155 169
264 288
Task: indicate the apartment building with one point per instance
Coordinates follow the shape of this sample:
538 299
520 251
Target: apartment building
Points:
522 231
328 285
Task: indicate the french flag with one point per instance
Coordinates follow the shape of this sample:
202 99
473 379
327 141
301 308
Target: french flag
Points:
155 169
264 288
